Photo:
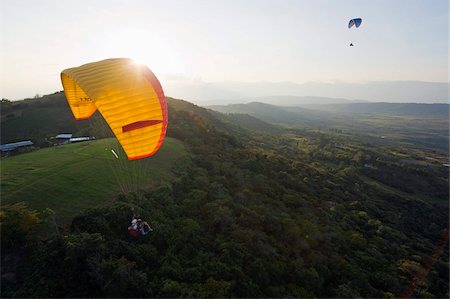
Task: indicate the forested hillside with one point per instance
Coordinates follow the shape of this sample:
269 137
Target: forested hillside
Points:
255 210
408 124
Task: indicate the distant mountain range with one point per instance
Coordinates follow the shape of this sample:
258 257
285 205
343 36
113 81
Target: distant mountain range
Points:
322 108
303 101
272 114
290 93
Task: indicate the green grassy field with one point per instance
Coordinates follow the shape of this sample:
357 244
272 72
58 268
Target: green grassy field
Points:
71 178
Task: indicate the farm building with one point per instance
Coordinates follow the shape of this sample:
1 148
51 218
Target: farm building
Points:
16 146
66 138
81 139
63 138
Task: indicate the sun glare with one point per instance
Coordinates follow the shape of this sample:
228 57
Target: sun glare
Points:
143 48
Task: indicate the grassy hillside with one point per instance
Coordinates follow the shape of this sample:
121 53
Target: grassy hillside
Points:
74 177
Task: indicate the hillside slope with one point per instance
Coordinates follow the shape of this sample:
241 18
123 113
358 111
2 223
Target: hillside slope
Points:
72 178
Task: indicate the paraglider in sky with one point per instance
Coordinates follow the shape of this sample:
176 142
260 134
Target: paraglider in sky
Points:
128 96
354 22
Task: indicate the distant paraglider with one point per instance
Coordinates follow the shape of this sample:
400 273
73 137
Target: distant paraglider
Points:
354 22
128 96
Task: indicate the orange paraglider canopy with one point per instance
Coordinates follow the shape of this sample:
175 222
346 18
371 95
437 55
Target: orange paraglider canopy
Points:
129 97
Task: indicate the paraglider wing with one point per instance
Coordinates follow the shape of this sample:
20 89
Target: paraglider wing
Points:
355 22
129 97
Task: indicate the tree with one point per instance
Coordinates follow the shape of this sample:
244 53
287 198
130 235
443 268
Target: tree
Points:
17 224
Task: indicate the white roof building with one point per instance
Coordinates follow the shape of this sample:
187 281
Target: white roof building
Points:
12 146
64 136
78 139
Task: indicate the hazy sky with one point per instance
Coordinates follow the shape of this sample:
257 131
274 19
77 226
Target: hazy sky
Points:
212 41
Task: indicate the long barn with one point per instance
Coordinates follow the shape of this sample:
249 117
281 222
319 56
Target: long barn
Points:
9 147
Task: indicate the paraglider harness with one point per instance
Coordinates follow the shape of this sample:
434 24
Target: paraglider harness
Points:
139 227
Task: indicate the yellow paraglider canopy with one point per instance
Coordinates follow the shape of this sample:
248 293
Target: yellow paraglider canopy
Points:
129 97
